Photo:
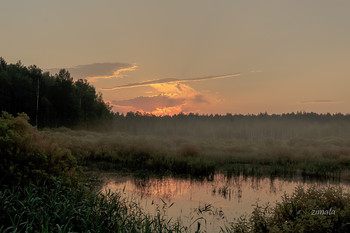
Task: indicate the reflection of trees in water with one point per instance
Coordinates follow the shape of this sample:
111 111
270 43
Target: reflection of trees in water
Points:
228 188
233 187
166 187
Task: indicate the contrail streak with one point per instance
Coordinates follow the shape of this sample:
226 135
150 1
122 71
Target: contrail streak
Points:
171 80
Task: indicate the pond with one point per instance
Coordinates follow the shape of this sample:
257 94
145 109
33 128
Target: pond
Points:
216 202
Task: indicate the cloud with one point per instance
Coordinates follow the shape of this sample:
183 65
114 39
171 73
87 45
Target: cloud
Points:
170 80
172 98
200 99
175 89
95 71
150 103
317 102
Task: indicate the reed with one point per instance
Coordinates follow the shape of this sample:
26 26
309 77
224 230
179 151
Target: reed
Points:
61 208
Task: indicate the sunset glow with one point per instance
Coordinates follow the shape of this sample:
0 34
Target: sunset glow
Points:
200 56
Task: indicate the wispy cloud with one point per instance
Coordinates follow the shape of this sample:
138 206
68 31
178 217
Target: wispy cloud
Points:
325 101
116 74
95 71
171 80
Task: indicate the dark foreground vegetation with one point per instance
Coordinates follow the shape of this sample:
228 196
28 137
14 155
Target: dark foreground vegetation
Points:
28 156
42 190
60 208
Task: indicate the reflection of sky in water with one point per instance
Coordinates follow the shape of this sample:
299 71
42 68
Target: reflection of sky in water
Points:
226 198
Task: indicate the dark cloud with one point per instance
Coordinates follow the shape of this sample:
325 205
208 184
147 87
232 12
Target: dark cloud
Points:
200 99
171 80
316 102
93 70
151 103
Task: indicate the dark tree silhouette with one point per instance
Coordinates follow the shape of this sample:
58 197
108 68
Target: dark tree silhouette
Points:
50 100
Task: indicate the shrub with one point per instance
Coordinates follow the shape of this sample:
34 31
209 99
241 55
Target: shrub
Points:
26 155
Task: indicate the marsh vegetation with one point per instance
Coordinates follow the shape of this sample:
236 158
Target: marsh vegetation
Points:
313 146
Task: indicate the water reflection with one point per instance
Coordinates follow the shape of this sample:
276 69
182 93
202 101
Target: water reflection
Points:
220 200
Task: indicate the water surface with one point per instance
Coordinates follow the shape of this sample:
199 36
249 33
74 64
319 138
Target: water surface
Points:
216 202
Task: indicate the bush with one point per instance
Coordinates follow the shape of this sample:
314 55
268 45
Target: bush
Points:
26 155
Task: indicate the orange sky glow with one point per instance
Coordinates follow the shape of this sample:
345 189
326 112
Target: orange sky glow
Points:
199 56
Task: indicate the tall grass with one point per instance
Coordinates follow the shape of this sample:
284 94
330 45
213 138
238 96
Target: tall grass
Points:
60 208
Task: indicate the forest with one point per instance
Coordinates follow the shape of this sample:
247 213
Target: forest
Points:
49 100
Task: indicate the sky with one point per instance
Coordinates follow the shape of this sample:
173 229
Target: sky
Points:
201 56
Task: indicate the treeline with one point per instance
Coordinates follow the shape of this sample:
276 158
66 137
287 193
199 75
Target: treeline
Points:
307 116
50 100
252 127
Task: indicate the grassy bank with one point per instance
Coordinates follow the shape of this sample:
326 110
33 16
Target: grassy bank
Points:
326 157
311 210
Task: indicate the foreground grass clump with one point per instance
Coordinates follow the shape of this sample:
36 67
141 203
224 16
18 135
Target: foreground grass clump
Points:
60 208
311 210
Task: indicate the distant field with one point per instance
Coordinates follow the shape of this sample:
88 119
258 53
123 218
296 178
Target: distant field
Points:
202 146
